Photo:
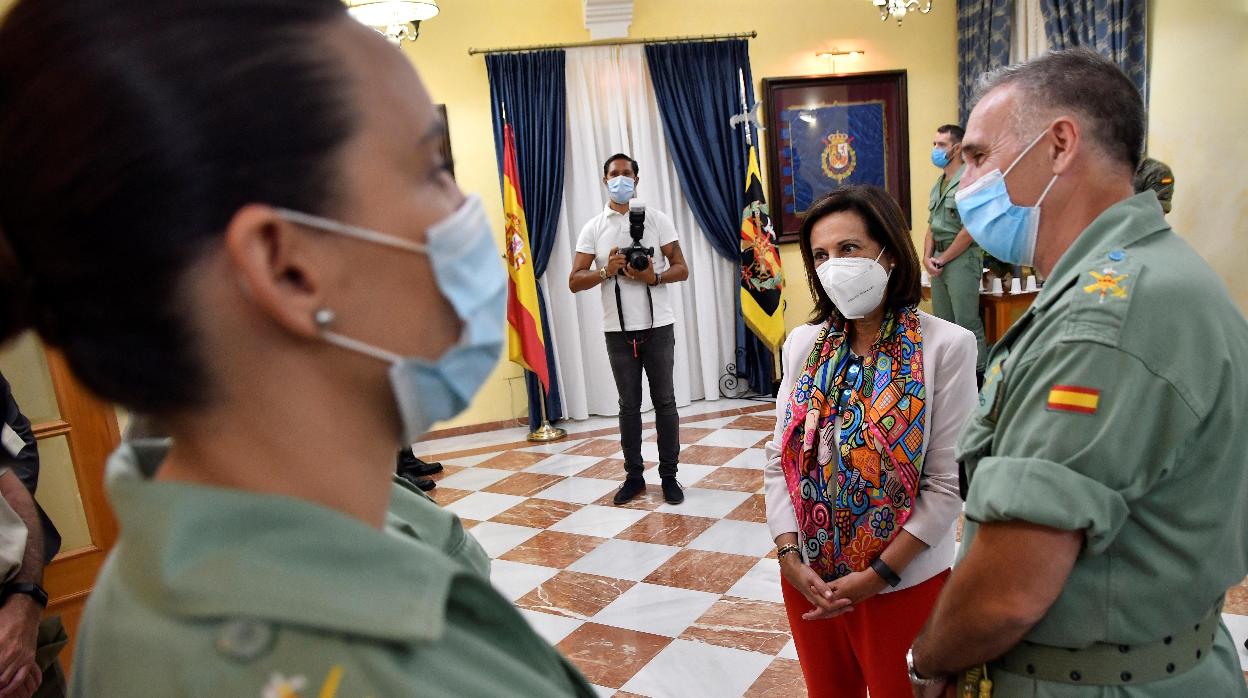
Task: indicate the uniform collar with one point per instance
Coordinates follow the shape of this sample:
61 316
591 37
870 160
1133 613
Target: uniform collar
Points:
1117 228
609 211
952 183
212 553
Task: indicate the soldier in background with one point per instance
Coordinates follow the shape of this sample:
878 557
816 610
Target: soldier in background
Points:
1156 175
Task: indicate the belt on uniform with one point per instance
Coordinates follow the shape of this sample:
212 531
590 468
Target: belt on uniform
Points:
1104 664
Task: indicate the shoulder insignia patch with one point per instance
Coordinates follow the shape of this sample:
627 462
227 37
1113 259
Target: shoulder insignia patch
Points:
1107 283
1074 398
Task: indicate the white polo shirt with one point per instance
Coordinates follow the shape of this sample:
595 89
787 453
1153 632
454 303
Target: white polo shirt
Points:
610 229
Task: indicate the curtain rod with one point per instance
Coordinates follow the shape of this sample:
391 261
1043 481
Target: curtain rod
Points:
615 42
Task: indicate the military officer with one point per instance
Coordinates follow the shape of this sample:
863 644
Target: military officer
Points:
1156 175
1104 467
953 260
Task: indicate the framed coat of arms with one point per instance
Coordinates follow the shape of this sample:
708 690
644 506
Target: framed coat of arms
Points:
829 131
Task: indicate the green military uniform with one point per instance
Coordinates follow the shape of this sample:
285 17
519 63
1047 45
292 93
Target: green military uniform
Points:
1156 175
955 293
1115 406
215 592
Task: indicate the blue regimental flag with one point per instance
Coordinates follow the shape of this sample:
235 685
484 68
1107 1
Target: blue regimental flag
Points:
830 146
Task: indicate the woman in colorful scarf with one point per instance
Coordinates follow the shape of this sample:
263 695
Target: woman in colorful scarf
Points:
861 484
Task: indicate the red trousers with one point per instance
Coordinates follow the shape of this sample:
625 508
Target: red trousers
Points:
845 656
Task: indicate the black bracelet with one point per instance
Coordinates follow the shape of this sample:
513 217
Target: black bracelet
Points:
881 568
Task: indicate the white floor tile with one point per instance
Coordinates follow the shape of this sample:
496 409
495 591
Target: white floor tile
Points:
733 438
552 628
468 461
716 423
563 464
736 537
687 669
752 458
498 538
660 610
600 521
602 691
480 506
789 651
713 503
761 583
459 443
553 447
686 473
473 478
649 452
624 559
579 490
515 579
1238 625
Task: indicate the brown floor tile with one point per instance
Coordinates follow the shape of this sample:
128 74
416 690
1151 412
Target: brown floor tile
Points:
754 626
958 535
596 447
782 679
605 469
709 455
553 549
523 484
756 422
447 471
688 435
537 513
666 529
762 442
513 460
446 495
735 479
1237 599
753 509
650 500
626 694
610 656
574 594
702 571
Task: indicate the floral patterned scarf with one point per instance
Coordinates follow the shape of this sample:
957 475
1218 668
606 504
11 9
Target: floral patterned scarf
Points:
852 499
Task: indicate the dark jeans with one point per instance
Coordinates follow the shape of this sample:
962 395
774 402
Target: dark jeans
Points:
656 354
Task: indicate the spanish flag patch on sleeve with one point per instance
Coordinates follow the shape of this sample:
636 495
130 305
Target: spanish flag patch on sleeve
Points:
1074 398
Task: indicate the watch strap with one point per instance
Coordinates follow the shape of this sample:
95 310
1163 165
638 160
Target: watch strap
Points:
31 589
881 568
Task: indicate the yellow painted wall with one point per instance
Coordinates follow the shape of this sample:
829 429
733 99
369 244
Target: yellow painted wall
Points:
789 34
1198 111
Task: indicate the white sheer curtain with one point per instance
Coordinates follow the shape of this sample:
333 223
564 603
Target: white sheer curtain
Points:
611 108
1027 40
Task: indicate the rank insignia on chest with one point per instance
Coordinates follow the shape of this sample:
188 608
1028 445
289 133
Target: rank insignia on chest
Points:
1107 283
1074 398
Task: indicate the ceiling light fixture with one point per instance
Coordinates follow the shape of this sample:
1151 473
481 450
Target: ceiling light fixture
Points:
899 8
398 20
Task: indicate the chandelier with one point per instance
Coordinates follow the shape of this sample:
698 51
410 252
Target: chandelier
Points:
398 20
899 8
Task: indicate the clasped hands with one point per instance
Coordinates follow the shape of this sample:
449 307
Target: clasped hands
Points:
617 262
829 599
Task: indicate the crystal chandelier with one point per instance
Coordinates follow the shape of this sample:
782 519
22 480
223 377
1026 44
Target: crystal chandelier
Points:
398 20
899 8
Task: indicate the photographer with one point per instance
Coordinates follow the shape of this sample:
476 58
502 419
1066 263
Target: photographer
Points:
637 316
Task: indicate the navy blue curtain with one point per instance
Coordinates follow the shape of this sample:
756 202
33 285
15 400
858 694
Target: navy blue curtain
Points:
698 91
532 87
1116 29
983 44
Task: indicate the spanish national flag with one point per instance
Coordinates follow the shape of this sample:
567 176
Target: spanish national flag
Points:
526 344
762 280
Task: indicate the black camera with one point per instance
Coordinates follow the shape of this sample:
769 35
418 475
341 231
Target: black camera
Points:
638 257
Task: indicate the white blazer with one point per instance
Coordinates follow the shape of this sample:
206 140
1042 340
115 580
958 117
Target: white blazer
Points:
949 373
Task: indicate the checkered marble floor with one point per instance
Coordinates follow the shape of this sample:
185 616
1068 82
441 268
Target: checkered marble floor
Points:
648 599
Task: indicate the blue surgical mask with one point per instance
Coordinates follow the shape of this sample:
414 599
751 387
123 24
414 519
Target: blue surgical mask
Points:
1004 229
470 274
940 156
621 189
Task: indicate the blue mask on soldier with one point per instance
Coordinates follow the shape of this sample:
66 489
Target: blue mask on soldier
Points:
470 274
940 156
1004 229
621 189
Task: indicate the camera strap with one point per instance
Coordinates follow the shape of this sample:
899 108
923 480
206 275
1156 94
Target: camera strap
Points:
634 338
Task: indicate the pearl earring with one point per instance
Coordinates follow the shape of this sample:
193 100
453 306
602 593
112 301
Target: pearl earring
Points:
323 318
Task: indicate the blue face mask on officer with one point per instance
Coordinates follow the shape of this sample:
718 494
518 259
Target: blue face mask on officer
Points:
1004 229
621 189
470 274
940 156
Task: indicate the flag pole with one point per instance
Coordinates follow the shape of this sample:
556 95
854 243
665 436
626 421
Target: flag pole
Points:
546 432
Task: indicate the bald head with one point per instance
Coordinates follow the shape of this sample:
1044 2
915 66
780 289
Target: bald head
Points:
1079 84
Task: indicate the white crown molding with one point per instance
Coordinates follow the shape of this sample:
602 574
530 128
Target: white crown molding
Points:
608 19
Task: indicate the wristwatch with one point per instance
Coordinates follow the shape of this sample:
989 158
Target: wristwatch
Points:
602 273
914 676
31 589
658 278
